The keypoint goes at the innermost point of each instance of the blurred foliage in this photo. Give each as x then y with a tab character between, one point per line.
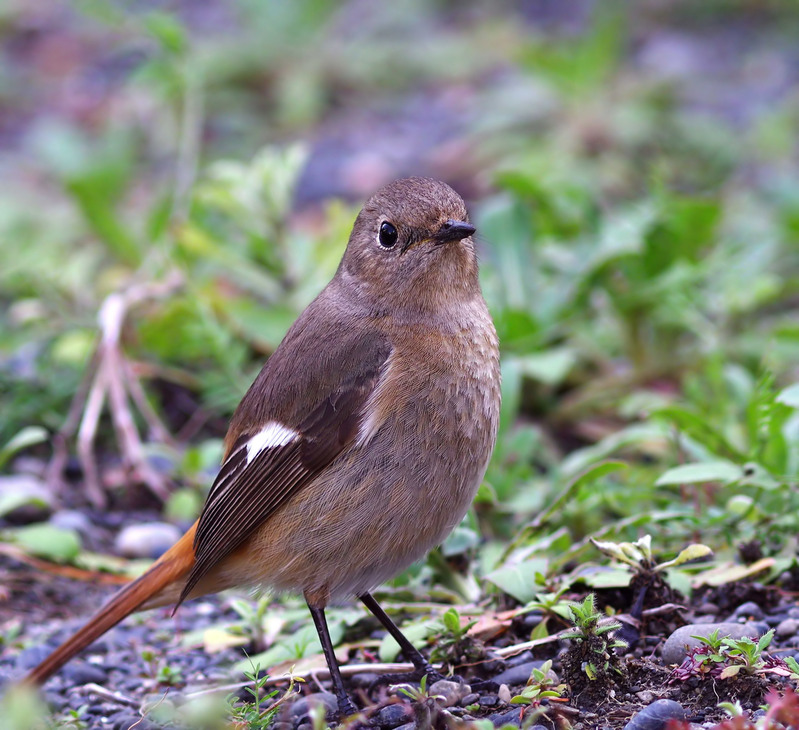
639	256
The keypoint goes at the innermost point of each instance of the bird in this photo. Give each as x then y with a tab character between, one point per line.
362	442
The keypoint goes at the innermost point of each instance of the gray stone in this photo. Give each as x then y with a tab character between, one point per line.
750	610
656	716
78	673
514	676
451	692
676	646
392	716
32	656
27	496
150	540
508	717
71	519
504	694
787	628
302	707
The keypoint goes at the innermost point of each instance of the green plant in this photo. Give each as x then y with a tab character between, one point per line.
593	645
453	645
252	715
541	685
724	657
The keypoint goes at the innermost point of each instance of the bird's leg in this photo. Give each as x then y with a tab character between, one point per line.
409	651
346	708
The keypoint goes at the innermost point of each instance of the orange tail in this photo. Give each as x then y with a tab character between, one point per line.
173	565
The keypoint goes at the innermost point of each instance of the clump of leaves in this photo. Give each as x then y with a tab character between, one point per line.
542	685
453	645
647	573
254	716
591	655
725	657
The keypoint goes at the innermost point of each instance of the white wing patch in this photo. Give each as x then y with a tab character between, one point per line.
271	435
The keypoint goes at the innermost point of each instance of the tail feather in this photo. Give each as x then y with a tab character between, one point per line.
170	567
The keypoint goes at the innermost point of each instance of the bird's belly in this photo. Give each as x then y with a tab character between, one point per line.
364	521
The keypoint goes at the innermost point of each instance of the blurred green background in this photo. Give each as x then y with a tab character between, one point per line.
631	168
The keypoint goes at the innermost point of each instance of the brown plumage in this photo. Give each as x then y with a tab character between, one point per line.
363	440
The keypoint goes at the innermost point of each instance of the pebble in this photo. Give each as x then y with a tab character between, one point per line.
787	628
750	609
150	540
36	502
504	694
302	707
72	519
78	673
514	676
32	656
656	716
392	716
364	680
452	692
469	699
508	717
674	650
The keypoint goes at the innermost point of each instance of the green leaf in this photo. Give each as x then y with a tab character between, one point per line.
692	552
789	396
708	471
9	501
28	436
452	621
549	367
47	541
519	580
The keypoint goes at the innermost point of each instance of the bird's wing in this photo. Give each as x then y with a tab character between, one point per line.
264	468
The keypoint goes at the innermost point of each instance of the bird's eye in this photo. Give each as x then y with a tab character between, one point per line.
388	235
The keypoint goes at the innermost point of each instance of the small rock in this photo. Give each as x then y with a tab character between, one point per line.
32	656
469	699
71	519
450	691
521	658
150	540
30	494
78	673
708	608
646	696
656	716
793	612
675	648
508	717
750	609
363	680
787	628
302	707
391	716
514	676
504	694
489	701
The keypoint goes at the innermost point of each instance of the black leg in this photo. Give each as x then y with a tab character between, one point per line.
345	704
409	651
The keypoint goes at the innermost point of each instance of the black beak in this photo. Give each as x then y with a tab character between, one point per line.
454	231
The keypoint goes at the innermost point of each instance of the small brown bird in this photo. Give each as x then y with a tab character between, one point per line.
362	442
